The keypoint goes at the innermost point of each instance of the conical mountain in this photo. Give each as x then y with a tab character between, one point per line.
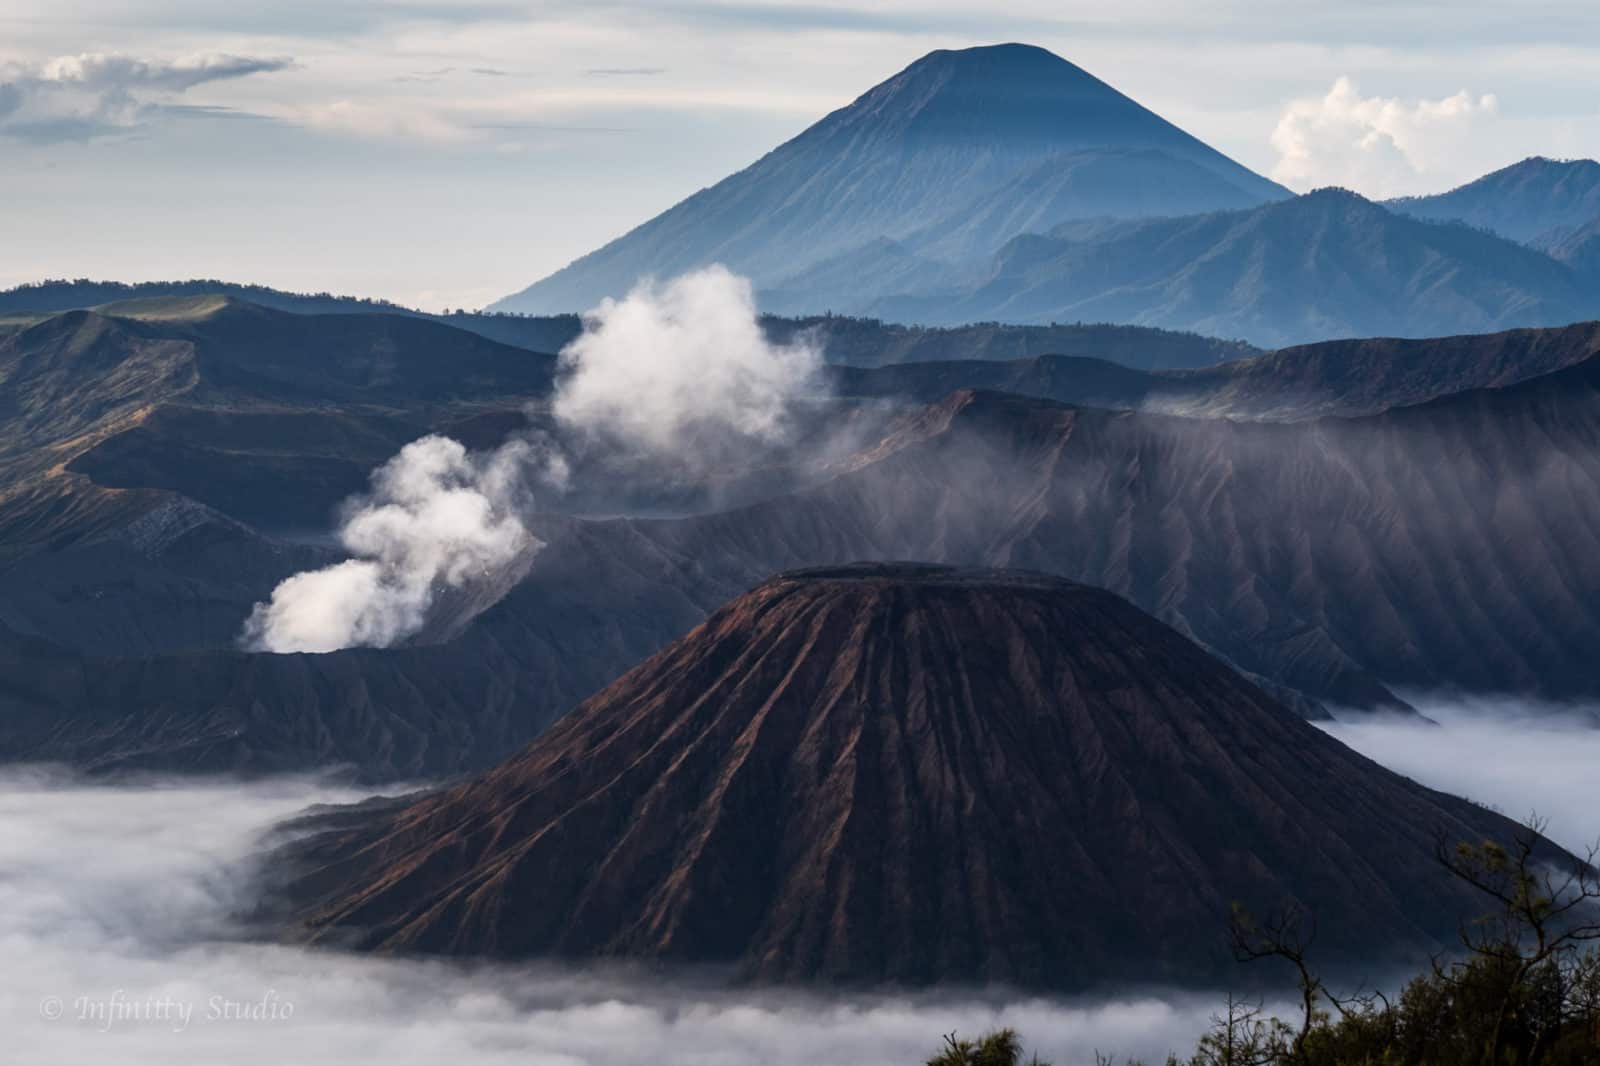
923	151
906	773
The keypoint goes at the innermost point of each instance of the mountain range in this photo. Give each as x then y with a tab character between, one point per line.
1326	265
905	774
1005	184
849	340
1396	515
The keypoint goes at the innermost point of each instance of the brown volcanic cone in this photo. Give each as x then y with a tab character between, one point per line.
907	773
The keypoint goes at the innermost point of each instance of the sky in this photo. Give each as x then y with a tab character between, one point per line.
444	153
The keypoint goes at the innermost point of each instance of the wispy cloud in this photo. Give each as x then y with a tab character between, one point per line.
426	75
382	121
101	72
212	111
547	127
624	72
94	94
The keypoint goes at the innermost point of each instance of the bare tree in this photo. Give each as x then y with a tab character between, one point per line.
1547	911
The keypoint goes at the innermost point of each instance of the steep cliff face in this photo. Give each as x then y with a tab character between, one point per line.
912	774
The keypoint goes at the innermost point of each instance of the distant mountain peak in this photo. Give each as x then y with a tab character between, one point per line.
1014	94
954	135
987	64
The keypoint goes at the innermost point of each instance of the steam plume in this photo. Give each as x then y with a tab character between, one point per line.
677	373
674	364
437	516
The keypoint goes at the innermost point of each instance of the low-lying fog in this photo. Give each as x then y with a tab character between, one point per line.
114	905
1519	758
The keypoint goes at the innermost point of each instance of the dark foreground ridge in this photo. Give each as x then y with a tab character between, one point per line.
912	774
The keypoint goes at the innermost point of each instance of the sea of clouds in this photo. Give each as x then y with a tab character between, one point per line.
1520	757
118	904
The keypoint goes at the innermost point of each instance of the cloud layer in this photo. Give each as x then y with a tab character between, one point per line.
132	889
116	899
1378	146
1519	757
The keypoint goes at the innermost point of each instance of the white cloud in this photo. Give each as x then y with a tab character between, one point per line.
102	72
79	97
1375	145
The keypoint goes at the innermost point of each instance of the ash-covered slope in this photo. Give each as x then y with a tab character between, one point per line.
910	774
972	146
1454	545
218	383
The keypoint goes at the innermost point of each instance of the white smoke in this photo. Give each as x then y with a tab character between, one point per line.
676	365
437	517
677	374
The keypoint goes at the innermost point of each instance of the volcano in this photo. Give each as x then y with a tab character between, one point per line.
911	774
959	152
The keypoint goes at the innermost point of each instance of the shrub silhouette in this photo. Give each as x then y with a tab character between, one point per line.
1524	992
